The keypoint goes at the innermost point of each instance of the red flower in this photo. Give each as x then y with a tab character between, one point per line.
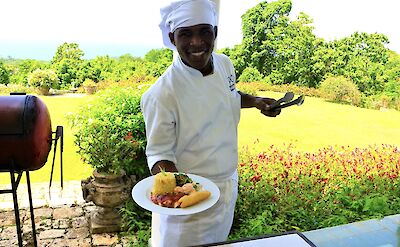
256	178
129	136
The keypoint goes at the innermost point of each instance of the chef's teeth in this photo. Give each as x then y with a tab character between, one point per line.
198	53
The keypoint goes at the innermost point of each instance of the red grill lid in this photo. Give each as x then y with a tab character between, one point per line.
25	132
12	114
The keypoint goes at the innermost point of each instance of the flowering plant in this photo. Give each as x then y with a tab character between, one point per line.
110	133
282	190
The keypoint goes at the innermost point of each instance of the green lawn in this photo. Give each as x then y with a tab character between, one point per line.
318	123
313	125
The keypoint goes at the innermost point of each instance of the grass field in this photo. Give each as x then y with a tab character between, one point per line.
313	125
318	123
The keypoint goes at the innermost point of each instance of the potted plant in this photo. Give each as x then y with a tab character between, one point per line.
89	85
109	133
43	80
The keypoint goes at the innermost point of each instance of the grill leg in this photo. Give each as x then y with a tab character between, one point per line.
28	182
16	210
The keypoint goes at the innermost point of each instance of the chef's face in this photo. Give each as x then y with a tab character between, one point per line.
195	45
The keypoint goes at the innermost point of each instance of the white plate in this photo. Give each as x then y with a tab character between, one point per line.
141	195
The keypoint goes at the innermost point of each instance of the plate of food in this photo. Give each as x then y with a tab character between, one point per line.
175	193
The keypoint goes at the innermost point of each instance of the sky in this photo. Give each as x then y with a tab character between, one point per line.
34	29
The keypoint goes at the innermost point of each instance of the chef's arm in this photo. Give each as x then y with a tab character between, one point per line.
165	165
261	103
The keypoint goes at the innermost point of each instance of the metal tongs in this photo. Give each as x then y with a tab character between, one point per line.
285	101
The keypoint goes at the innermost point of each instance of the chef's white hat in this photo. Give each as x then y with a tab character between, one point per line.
185	13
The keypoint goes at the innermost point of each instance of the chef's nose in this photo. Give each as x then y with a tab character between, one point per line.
196	40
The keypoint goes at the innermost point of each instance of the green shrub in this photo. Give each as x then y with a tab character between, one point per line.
134	81
380	101
43	78
88	83
10	88
250	74
137	223
340	89
307	91
110	133
247	88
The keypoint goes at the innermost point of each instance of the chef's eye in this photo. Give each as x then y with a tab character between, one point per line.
185	34
206	32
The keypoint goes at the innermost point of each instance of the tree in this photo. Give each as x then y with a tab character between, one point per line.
67	62
277	47
361	57
392	68
237	57
105	65
21	69
157	61
4	74
127	67
258	25
67	51
159	55
88	71
294	45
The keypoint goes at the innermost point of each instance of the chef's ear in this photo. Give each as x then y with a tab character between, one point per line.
215	31
171	38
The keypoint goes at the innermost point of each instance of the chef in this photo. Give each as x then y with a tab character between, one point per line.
191	115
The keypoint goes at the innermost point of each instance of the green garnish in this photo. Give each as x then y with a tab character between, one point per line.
162	170
182	179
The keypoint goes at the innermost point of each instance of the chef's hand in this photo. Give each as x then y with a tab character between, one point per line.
263	104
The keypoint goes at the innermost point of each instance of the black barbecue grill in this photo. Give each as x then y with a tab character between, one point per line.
25	143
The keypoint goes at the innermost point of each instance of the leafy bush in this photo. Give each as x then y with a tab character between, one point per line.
248	88
88	83
380	101
110	132
43	78
133	81
340	89
282	190
250	74
254	87
10	88
136	222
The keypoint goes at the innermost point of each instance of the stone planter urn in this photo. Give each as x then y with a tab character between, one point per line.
108	192
44	90
90	89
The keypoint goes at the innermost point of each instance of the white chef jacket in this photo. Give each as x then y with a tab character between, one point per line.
192	121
